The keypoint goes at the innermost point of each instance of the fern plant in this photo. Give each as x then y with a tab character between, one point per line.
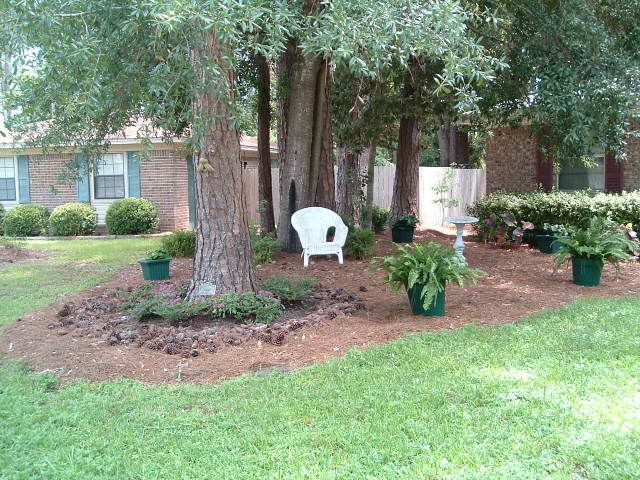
601	241
430	264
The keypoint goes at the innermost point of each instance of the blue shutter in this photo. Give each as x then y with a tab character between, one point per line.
82	179
191	191
133	173
23	179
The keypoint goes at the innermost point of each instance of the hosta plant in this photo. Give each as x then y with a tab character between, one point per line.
601	241
430	264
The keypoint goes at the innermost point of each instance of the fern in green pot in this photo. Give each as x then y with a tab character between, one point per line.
589	248
424	269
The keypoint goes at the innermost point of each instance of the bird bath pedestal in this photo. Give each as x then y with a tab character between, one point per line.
460	222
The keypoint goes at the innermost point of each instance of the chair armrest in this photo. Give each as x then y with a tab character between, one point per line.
341	235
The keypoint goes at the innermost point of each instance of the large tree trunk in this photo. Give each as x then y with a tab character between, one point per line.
368	210
405	184
444	143
223	251
265	196
351	166
454	146
302	128
326	189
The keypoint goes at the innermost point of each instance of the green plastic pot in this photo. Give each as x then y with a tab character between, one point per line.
155	269
402	235
586	271
436	309
546	245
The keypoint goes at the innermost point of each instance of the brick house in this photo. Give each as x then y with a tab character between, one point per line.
514	164
165	178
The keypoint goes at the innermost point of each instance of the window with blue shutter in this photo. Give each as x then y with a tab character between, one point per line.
191	191
133	174
82	179
23	179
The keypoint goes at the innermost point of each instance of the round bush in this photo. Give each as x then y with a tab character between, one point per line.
26	221
180	243
131	216
73	219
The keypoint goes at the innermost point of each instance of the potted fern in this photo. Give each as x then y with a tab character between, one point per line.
155	266
589	248
424	269
403	228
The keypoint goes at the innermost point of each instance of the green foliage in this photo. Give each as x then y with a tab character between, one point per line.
430	264
158	254
162	300
359	243
26	220
601	241
247	307
180	244
286	288
443	190
2	214
379	218
405	222
132	216
561	208
73	219
265	248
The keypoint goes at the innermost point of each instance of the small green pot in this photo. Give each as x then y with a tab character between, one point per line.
546	245
402	235
586	271
155	269
436	309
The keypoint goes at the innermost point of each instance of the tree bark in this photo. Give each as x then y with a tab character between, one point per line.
265	196
351	166
444	143
405	184
301	132
223	250
368	210
326	188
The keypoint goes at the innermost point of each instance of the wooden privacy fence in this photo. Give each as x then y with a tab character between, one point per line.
466	185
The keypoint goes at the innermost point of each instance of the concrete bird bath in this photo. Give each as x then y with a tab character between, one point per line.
460	222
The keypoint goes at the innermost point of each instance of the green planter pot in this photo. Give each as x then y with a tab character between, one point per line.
402	235
436	309
546	245
586	271
155	269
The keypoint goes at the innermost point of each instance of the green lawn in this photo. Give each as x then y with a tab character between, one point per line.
553	397
70	266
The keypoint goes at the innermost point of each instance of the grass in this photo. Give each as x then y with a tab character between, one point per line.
68	266
553	397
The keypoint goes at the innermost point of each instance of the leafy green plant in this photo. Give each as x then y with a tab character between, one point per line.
379	218
265	248
601	241
430	264
405	222
158	254
443	191
359	243
132	216
73	219
285	288
162	300
180	244
26	220
559	230
248	307
2	214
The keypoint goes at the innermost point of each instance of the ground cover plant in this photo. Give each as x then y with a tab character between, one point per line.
554	396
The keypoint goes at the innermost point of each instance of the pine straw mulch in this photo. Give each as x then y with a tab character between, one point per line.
519	283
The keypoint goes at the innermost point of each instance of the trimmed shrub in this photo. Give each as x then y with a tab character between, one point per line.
180	244
73	219
379	218
560	208
2	220
26	220
132	216
359	244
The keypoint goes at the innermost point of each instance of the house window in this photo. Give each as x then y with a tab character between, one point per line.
582	177
8	179
108	182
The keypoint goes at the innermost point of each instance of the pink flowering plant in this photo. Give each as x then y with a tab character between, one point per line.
504	229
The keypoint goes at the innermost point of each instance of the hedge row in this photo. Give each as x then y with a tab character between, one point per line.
126	216
563	208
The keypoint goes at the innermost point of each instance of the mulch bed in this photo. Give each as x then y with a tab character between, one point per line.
518	283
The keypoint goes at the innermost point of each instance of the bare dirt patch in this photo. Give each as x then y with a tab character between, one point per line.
10	254
519	283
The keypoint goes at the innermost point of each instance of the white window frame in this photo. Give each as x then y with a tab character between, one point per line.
107	201
12	203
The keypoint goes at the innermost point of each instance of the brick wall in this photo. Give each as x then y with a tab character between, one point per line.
163	180
511	161
50	183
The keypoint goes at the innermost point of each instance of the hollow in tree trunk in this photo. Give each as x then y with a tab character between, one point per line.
265	196
223	251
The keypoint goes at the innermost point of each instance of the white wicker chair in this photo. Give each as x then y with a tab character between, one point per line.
312	224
